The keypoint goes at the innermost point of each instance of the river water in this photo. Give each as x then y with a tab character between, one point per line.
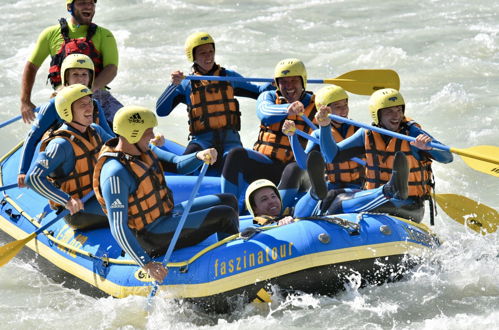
447	56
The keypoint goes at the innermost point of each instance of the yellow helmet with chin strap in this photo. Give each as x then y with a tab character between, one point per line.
131	122
195	40
253	187
384	98
290	67
77	61
66	97
329	94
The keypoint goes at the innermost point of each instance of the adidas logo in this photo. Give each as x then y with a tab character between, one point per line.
135	118
44	163
117	204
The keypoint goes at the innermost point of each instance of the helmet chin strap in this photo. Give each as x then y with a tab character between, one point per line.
78	123
139	149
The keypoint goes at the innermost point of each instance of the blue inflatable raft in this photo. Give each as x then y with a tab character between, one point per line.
314	255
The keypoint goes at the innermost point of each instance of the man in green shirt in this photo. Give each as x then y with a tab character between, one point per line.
81	36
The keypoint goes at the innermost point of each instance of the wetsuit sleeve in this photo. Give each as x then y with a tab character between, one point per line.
116	185
102	119
47	116
172	96
57	158
182	164
299	153
108	47
268	111
441	156
333	152
246	89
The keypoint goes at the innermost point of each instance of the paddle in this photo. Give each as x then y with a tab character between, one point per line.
10	250
477	216
475	157
12	120
10	186
362	82
177	232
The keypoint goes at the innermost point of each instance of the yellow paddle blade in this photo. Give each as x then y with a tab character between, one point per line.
481	158
477	216
365	82
10	250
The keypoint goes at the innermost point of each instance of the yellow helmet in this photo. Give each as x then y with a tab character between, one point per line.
329	94
66	97
194	40
290	67
77	61
131	122
384	98
253	187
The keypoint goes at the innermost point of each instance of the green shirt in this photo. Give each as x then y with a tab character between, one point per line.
50	40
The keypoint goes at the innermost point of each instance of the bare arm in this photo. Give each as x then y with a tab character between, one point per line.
27	82
105	76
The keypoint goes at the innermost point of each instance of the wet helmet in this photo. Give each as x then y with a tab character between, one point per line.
194	40
253	187
66	97
329	94
384	98
131	122
290	67
77	61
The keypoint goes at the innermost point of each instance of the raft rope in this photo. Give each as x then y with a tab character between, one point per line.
245	235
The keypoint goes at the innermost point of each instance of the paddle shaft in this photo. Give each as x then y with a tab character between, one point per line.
62	214
12	120
410	139
362	82
246	79
10	250
179	228
10	186
316	140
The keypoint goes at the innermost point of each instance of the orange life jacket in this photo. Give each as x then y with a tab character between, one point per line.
78	182
273	143
347	171
213	105
152	199
379	157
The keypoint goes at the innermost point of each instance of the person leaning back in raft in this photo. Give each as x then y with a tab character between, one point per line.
64	168
129	183
272	157
213	110
387	108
